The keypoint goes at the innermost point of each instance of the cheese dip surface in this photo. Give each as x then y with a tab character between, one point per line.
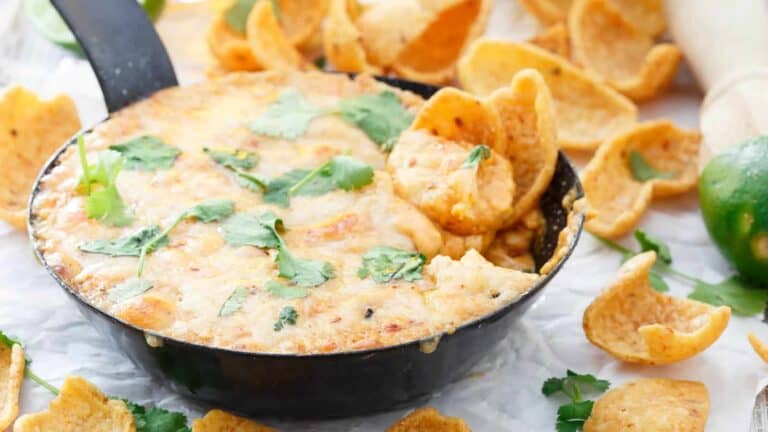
201	286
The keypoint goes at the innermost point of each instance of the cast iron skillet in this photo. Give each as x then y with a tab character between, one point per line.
131	64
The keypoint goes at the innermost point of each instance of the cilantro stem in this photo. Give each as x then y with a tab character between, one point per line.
151	244
308	178
84	163
659	264
243	174
41	382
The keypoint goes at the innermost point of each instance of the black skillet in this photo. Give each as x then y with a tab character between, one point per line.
131	64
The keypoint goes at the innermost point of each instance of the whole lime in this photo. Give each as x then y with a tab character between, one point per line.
733	194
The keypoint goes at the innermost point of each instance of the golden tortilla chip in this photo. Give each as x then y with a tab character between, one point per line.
342	40
608	45
387	26
458	116
269	44
548	12
527	118
429	420
79	407
760	348
431	57
636	324
429	172
617	199
555	40
230	48
12	365
220	421
586	111
646	15
31	130
301	19
651	405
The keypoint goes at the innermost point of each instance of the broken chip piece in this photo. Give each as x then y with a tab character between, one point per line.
342	40
32	129
12	365
637	324
220	421
651	160
586	111
429	420
79	407
608	45
651	404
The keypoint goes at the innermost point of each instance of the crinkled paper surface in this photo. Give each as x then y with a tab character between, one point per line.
503	392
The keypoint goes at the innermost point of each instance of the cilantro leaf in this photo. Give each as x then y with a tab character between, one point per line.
147	153
743	298
233	158
381	116
478	154
243	229
288	316
129	289
234	302
657	282
104	204
552	386
277	189
288	117
9	341
650	243
302	272
237	14
156	419
571	417
588	379
125	246
286	292
385	264
211	210
642	171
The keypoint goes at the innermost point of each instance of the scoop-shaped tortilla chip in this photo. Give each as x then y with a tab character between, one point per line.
230	48
220	421
431	57
554	39
646	15
636	324
342	40
431	173
586	111
618	191
269	44
760	348
31	130
301	19
608	45
548	12
527	121
79	407
12	365
429	420
459	116
651	405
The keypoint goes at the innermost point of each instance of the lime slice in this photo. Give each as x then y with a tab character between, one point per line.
48	21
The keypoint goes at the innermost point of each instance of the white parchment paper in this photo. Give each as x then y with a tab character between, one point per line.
502	394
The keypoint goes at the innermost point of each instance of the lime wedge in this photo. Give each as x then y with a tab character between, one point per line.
48	21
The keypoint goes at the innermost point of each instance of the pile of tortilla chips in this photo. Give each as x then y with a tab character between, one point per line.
30	130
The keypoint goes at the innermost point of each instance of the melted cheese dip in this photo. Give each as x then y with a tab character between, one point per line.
196	272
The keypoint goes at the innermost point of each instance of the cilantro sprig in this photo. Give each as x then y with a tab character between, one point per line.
130	245
287	316
571	416
103	203
381	116
478	154
642	171
742	297
385	264
147	153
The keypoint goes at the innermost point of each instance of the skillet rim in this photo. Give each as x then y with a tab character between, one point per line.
421	89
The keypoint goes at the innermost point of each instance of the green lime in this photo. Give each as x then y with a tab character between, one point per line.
48	21
733	193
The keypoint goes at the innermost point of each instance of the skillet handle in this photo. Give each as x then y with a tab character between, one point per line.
121	44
